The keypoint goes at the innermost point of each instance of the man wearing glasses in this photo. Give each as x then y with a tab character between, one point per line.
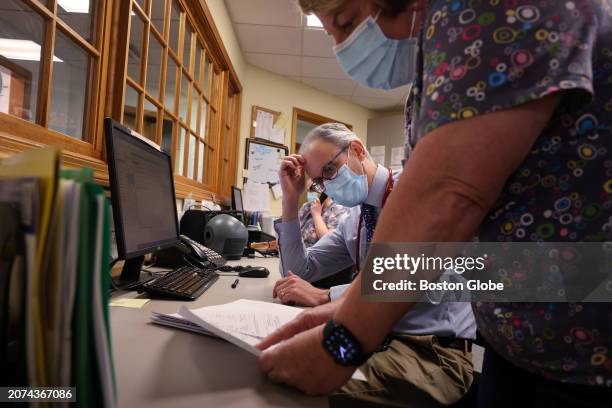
435	336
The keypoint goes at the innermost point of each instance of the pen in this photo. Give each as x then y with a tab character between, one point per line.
235	284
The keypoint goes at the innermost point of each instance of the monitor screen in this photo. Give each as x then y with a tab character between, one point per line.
142	188
237	199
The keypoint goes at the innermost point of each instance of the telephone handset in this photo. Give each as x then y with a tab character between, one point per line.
200	256
190	252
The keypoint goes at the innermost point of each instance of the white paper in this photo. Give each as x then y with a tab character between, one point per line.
277	191
378	159
397	155
256	196
377	150
5	89
277	135
264	124
243	323
264	162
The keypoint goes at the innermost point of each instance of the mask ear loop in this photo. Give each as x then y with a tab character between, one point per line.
414	14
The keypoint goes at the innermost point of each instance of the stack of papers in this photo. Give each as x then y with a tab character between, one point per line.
243	322
58	327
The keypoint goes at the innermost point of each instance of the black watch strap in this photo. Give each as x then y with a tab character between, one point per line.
343	346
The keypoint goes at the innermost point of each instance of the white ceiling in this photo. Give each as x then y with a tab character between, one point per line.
273	36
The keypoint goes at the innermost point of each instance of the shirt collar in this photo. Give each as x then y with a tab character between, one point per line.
378	188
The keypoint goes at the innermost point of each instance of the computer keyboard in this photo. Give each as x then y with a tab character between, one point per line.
186	282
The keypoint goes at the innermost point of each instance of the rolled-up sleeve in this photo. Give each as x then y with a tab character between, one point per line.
336	291
328	256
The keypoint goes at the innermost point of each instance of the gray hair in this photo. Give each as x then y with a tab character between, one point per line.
335	133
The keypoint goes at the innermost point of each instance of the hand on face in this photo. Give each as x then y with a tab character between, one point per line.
294	290
292	176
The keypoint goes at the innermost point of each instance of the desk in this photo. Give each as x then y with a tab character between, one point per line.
157	366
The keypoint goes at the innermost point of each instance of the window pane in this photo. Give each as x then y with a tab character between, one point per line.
154	66
135	51
187	48
166	144
170	84
69	93
180	153
174	26
193	123
191	158
206	75
183	98
157	14
201	162
130	107
80	15
141	3
149	123
19	59
196	70
203	119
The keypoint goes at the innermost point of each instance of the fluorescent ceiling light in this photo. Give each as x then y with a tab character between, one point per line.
313	21
74	6
24	50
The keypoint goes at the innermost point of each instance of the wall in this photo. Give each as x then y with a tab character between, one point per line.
278	93
272	91
386	131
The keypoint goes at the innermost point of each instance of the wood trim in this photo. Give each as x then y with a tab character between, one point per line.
309	117
202	14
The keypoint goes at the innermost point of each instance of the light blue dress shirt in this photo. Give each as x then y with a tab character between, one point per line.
337	251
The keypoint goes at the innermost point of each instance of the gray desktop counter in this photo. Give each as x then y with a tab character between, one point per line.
157	366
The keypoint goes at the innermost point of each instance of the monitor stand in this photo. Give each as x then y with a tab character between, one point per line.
130	275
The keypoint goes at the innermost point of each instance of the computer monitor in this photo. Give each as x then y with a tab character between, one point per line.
142	195
237	199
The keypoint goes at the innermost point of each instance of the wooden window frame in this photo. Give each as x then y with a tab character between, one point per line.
76	153
108	50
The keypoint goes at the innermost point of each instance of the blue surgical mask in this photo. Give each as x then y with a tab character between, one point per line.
348	188
312	196
374	60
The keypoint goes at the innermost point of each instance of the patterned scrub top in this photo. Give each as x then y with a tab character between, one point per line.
481	56
331	217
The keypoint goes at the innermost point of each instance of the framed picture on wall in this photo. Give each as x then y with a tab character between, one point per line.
15	83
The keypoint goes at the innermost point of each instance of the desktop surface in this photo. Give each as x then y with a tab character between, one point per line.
157	366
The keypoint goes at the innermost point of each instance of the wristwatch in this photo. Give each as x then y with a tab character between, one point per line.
342	345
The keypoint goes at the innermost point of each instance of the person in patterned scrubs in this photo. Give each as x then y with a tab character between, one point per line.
509	130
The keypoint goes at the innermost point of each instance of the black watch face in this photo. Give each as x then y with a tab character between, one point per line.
341	347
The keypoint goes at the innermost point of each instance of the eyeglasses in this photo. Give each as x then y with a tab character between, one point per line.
329	171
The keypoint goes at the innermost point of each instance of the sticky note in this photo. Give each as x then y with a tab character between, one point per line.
132	303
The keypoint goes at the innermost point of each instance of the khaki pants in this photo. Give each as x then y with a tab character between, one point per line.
415	371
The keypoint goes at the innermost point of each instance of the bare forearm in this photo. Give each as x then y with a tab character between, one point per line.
320	227
451	181
418	225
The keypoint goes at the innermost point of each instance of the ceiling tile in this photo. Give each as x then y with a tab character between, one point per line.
376	103
268	39
318	44
280	64
265	12
340	87
316	67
